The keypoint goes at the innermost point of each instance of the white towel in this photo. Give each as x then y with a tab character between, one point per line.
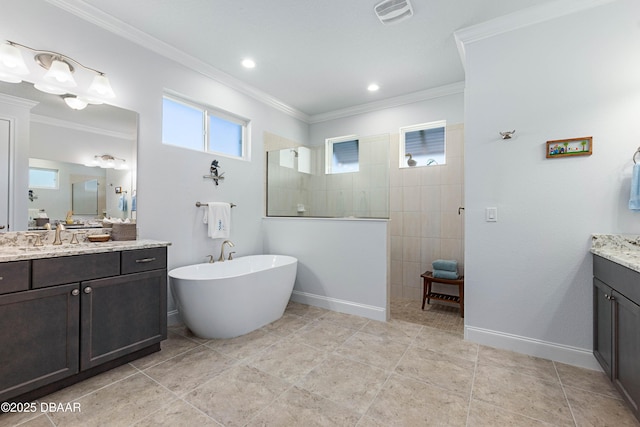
217	216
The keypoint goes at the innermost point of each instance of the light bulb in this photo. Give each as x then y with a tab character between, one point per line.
60	74
9	78
249	63
101	87
48	88
75	102
11	60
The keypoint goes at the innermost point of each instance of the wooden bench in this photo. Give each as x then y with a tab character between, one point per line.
427	295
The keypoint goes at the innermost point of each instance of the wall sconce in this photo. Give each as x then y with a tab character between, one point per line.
58	79
107	161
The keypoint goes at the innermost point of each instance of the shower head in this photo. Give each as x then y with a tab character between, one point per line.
295	153
410	161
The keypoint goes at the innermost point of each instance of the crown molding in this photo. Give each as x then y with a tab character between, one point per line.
103	20
126	31
46	120
521	19
15	101
437	92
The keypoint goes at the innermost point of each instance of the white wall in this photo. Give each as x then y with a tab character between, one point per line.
389	120
528	276
334	271
169	179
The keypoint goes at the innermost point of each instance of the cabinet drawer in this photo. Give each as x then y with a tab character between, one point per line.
14	276
76	268
144	260
620	278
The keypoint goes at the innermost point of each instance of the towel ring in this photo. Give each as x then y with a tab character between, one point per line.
634	155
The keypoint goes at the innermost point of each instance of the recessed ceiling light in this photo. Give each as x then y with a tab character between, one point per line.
248	63
373	87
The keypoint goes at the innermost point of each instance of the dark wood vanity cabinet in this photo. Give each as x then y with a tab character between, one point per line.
61	331
39	338
121	315
616	331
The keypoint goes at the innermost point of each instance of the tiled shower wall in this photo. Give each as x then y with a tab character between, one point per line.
425	224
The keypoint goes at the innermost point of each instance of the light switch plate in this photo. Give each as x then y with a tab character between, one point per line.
492	214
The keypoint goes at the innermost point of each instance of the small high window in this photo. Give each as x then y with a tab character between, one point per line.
342	155
423	144
196	127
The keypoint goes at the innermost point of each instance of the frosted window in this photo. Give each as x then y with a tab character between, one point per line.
425	143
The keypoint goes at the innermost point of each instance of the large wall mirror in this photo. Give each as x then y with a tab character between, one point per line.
80	161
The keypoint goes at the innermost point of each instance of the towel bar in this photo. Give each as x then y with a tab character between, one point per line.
198	204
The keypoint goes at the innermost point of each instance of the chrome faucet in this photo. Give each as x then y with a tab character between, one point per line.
57	240
226	242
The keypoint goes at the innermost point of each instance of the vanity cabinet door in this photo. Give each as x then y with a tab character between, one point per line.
626	368
603	325
123	314
38	338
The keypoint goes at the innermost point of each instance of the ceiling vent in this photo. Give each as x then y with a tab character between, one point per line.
392	11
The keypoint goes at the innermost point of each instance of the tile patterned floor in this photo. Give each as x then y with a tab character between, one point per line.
319	368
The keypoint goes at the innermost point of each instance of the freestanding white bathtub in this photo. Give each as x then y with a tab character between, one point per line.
231	298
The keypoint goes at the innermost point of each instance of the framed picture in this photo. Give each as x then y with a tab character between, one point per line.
570	147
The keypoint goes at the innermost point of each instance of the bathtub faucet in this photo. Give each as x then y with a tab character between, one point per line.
226	242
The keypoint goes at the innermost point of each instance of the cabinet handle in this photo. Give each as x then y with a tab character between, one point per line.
75	292
1	278
87	290
611	298
145	260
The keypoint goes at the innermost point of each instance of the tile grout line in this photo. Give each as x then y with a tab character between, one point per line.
564	393
473	383
391	372
177	397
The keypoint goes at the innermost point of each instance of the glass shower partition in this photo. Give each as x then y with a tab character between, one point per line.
300	185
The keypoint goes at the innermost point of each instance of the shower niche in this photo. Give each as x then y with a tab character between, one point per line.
302	183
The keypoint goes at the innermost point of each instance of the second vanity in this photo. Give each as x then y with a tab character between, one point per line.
72	311
616	310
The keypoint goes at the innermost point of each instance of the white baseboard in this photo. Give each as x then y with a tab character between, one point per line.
560	353
173	318
342	306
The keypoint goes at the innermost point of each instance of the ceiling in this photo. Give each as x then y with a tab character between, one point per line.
316	56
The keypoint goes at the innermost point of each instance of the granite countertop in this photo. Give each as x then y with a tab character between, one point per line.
16	249
623	249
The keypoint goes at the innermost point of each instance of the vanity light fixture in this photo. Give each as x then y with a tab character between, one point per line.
107	161
58	79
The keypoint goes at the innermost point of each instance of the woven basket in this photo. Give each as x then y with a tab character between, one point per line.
123	232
